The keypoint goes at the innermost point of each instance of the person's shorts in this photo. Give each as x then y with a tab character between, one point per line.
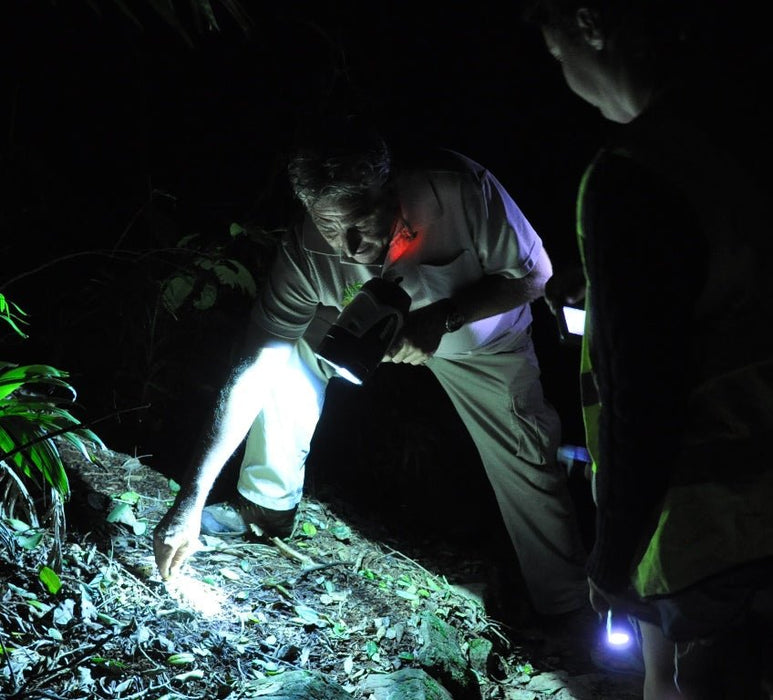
738	596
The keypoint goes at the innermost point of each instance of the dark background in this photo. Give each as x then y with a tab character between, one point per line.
119	137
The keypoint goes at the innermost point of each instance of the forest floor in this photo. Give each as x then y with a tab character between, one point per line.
329	599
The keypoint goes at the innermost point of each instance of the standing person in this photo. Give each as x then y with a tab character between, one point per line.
674	234
472	264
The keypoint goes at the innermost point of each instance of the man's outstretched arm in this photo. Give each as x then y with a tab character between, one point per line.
176	535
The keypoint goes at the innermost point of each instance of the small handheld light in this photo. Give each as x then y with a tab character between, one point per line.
365	329
618	631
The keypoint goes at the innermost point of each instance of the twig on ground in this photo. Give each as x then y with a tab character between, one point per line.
291	553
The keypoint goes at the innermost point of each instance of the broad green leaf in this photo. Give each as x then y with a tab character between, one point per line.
175	291
308	529
50	580
181	659
122	513
235	275
18	525
11	313
131	497
29	542
207	298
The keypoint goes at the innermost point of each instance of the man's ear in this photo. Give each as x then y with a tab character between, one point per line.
589	23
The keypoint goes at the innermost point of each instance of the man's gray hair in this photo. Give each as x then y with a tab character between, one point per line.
336	159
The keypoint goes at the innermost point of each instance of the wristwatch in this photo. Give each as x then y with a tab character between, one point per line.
454	318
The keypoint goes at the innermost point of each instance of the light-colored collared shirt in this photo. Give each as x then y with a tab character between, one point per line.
458	223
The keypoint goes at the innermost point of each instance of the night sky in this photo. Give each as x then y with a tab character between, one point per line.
99	113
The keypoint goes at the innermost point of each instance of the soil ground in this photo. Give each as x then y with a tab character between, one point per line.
342	596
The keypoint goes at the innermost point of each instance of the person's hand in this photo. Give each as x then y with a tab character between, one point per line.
567	286
420	336
176	537
598	600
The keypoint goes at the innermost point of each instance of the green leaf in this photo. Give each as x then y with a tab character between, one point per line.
11	313
235	275
18	525
175	291
341	532
131	497
207	298
308	529
29	542
350	292
50	580
109	620
123	513
181	659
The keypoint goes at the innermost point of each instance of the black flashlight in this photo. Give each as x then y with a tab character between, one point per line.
365	329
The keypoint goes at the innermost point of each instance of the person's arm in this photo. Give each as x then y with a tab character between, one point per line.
176	536
490	295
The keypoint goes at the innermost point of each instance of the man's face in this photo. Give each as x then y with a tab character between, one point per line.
358	228
590	74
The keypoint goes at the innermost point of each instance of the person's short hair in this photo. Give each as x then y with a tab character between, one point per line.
654	32
337	158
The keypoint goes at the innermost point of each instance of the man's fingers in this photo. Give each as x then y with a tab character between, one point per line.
164	554
170	559
179	558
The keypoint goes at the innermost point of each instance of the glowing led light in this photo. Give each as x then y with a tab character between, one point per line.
617	634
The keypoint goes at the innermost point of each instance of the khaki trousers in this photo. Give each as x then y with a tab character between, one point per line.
516	431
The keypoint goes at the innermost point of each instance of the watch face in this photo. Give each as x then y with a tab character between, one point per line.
454	321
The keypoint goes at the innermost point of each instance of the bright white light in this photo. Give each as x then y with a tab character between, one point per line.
342	371
617	635
346	374
575	319
189	592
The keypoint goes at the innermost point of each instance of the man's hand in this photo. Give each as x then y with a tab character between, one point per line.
176	537
421	335
565	287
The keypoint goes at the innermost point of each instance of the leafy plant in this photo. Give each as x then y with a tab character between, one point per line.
34	411
208	271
